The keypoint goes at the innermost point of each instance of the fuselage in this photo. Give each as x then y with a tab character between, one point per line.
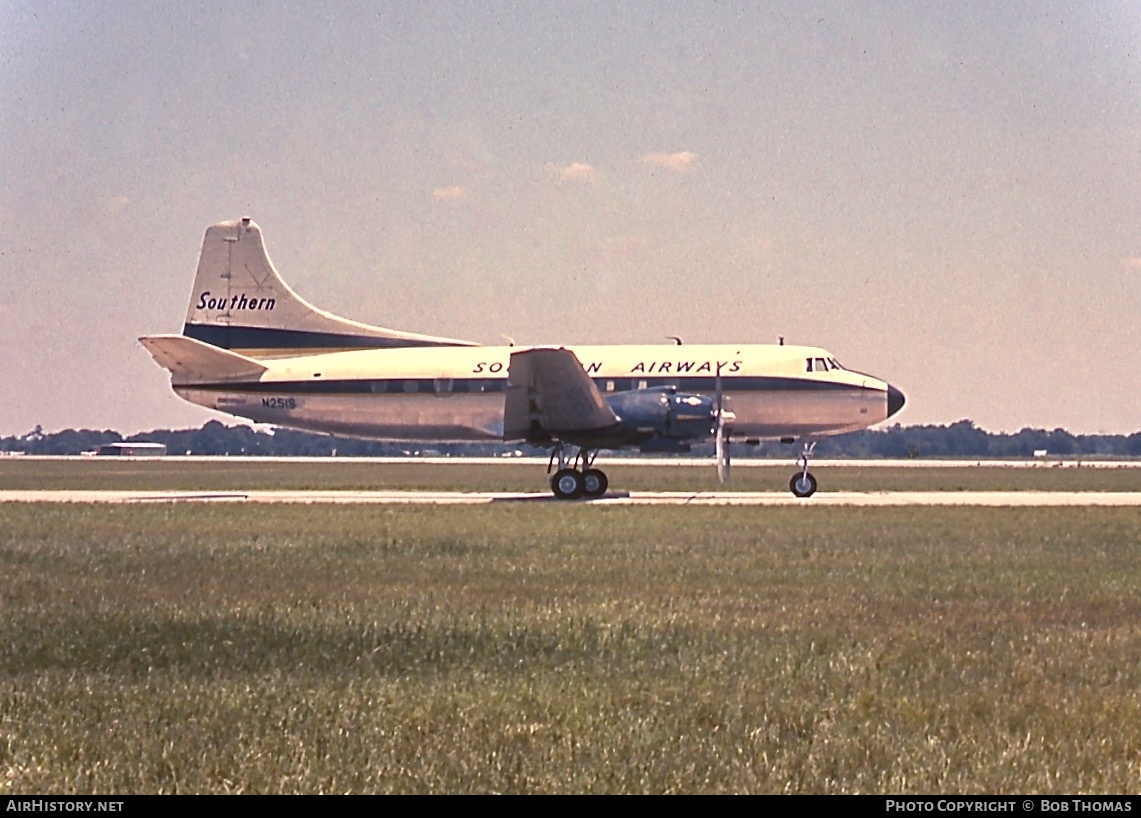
456	393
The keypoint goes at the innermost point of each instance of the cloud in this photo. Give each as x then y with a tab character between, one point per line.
680	162
574	172
449	194
112	205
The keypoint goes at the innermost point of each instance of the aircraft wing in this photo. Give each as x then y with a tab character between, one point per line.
549	395
189	360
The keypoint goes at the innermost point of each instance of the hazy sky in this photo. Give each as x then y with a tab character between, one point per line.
946	195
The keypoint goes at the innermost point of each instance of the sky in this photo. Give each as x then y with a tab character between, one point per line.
945	195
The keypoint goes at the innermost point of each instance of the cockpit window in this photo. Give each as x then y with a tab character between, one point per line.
821	364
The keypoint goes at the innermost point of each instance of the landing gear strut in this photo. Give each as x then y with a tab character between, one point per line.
803	484
570	482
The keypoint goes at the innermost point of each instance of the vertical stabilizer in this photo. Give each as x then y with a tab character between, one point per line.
239	302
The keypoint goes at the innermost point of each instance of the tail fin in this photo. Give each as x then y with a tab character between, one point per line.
239	302
191	361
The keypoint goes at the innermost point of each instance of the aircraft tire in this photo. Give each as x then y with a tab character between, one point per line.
803	485
567	484
594	483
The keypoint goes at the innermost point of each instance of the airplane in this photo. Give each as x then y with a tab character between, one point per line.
253	348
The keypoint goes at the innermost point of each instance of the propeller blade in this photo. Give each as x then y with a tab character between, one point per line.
723	461
721	443
717	395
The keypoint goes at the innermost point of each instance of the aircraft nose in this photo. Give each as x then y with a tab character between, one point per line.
895	400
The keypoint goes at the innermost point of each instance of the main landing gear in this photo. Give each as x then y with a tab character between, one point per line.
577	480
803	484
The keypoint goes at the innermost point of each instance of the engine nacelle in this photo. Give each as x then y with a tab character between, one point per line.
663	418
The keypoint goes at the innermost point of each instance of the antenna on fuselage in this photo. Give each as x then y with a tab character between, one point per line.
675	339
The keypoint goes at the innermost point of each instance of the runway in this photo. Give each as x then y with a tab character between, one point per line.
640	498
1069	462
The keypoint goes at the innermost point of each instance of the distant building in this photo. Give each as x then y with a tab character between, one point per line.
132	450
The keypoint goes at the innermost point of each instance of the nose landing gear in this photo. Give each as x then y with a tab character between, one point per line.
803	484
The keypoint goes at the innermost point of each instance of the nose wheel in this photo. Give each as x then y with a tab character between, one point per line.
803	484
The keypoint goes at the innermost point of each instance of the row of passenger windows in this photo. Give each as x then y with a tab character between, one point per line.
444	386
438	386
821	364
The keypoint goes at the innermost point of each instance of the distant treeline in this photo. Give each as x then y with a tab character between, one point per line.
961	439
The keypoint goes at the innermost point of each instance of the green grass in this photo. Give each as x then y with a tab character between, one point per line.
225	648
240	474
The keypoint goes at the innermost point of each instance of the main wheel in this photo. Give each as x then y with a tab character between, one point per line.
803	484
567	484
594	483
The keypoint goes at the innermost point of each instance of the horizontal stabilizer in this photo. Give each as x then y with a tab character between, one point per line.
191	361
549	395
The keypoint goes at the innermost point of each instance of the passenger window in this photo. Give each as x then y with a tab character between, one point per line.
610	386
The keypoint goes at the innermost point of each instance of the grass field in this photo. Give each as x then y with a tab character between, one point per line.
222	648
241	474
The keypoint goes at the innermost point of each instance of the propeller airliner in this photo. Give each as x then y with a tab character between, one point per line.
252	347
